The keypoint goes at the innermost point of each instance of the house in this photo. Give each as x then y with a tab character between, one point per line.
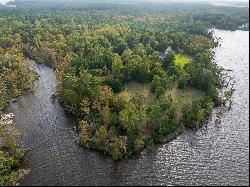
162	55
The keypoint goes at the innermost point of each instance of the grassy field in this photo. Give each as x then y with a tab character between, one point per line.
184	97
182	60
180	97
134	87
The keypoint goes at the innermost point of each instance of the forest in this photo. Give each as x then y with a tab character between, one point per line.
134	75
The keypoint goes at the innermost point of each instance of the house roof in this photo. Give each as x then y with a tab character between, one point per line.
163	54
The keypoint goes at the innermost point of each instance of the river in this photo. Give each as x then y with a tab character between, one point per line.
217	154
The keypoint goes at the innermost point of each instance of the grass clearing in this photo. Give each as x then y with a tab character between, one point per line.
181	60
183	97
134	87
180	97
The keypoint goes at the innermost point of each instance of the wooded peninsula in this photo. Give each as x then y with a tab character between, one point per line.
133	74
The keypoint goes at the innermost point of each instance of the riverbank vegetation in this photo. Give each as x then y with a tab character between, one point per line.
134	75
11	154
15	76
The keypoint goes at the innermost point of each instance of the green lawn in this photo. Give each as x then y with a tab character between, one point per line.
181	60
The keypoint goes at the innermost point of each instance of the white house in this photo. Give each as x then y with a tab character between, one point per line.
162	55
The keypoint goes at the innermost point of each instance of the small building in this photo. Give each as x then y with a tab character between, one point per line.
163	54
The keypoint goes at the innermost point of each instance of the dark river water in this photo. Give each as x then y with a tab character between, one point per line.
217	154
